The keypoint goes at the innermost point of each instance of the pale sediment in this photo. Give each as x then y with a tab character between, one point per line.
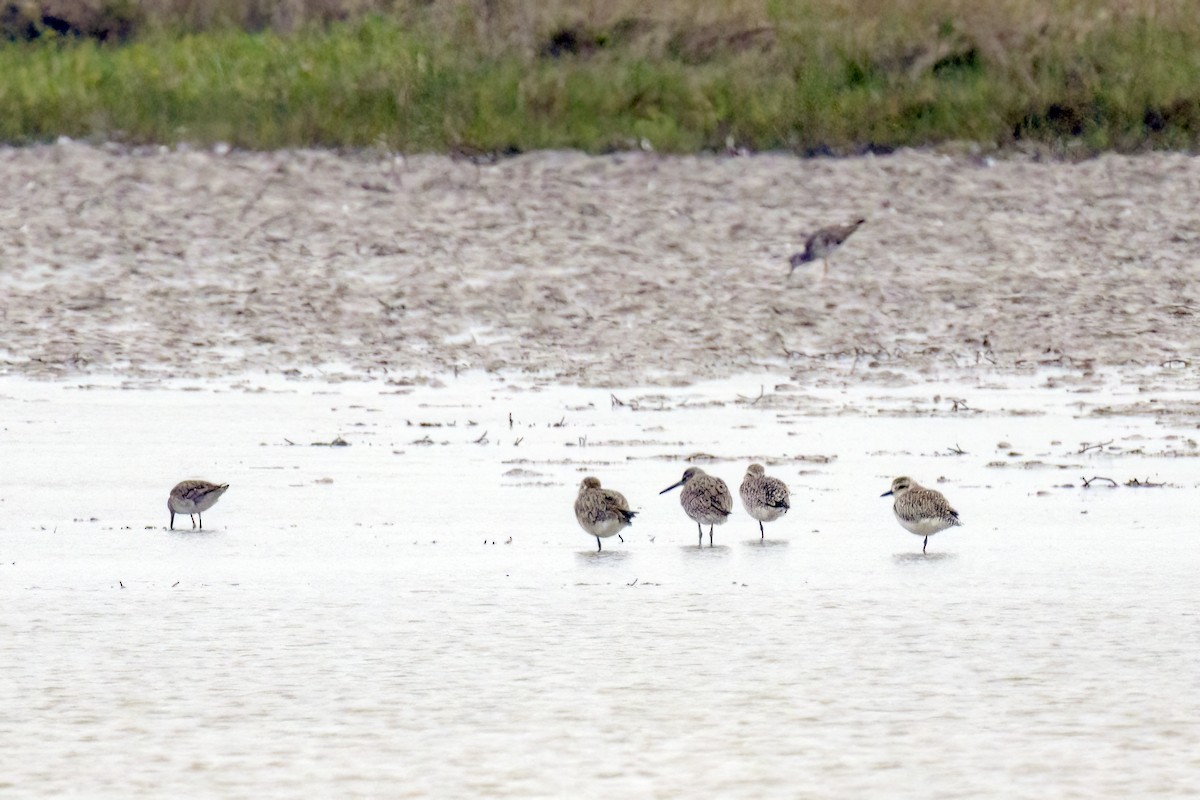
621	269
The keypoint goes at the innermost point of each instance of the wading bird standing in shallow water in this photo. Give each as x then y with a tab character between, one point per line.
193	497
704	498
822	245
764	498
921	511
602	512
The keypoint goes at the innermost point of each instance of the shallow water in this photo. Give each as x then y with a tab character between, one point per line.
356	621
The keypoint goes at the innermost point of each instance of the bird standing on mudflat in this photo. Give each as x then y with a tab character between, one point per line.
602	512
763	497
705	498
921	511
822	245
193	497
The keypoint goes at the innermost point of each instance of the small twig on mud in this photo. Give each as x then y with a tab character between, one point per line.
959	404
482	439
1146	484
337	442
289	441
1087	482
755	400
956	450
1083	448
632	584
510	422
615	401
583	441
518	441
786	352
560	424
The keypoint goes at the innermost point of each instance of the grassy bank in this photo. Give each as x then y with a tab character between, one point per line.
682	76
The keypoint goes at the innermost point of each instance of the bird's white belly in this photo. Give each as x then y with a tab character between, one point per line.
764	513
181	506
606	528
924	526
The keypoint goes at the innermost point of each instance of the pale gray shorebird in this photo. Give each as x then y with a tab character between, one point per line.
193	497
764	498
921	511
822	245
705	498
602	512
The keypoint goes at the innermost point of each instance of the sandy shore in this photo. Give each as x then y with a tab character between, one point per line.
597	270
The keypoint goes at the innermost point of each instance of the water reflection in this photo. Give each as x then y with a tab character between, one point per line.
766	544
602	556
922	558
716	550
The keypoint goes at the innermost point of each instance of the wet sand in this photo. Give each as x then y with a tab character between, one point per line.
615	270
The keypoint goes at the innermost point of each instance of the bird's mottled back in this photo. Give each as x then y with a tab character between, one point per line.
190	497
705	498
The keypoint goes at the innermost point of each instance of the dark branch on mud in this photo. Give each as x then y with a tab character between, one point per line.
1087	482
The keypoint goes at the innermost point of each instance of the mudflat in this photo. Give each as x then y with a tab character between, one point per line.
600	270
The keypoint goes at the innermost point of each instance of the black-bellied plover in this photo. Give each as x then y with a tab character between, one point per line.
763	497
921	511
602	512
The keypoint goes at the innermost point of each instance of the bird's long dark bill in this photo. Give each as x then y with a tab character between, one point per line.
672	486
886	494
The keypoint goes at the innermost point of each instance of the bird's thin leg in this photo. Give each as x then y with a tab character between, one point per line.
700	530
710	527
598	548
926	544
761	533
201	518
192	517
622	538
172	520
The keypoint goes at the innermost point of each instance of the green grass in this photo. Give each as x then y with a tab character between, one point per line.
828	78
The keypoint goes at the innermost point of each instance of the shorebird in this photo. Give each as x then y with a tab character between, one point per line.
704	498
602	512
822	245
764	498
193	497
921	511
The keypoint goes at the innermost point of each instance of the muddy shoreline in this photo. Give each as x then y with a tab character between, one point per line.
611	270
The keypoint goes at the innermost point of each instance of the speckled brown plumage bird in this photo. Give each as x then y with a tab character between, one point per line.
704	498
602	512
192	497
764	498
921	511
822	245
